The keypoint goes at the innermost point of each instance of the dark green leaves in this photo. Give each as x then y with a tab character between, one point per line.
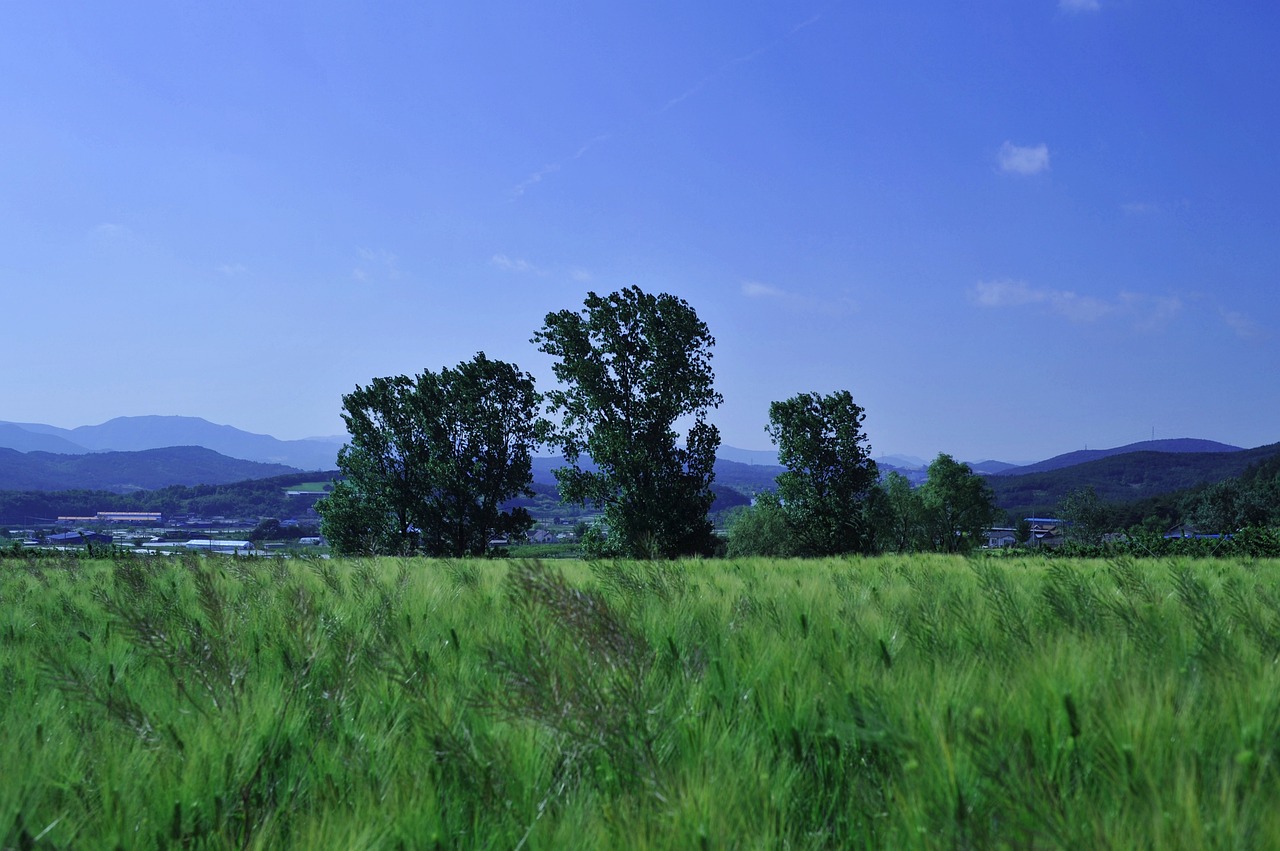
432	458
631	364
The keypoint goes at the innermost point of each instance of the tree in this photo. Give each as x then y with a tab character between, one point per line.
761	530
431	460
829	475
901	521
1085	515
631	364
958	503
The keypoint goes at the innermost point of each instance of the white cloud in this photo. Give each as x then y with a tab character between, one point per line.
1244	327
552	168
232	269
518	265
1016	159
838	304
1149	311
374	262
580	275
755	289
1075	6
108	235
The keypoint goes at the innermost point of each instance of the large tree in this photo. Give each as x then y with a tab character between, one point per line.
830	474
630	365
958	504
433	458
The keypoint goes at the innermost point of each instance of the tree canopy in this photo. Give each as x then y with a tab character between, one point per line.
958	505
431	460
631	365
829	475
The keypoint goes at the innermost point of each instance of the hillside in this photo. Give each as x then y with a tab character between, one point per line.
1123	478
122	472
247	499
1083	456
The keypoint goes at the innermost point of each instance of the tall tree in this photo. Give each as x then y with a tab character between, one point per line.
829	475
432	458
959	505
1086	516
631	364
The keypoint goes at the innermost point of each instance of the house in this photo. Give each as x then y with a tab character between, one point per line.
1000	536
1047	531
541	536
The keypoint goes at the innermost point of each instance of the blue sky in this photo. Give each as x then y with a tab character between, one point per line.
1010	228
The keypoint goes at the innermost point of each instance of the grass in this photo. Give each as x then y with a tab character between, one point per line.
922	702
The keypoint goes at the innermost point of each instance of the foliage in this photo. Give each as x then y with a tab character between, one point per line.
631	364
761	530
829	472
896	702
900	520
432	460
958	505
1085	515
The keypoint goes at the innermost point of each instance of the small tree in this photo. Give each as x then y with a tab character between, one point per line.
959	505
631	364
829	475
1085	515
901	521
761	530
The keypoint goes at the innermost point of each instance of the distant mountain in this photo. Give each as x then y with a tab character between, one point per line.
132	434
123	472
1123	478
24	438
734	484
1082	456
902	462
767	457
991	468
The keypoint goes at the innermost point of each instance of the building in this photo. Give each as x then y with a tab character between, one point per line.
77	539
1000	536
217	545
145	518
1047	532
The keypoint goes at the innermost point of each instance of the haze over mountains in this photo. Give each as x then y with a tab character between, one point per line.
132	434
148	452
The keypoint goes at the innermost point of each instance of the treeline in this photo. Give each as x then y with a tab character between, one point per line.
440	463
436	459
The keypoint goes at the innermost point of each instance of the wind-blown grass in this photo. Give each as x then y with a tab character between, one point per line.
922	702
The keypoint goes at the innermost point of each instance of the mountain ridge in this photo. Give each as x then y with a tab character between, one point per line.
133	434
1172	446
124	472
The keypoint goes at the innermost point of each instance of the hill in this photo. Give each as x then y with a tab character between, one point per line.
121	472
1123	478
247	499
132	434
1083	456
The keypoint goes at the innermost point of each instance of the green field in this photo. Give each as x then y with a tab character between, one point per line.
923	702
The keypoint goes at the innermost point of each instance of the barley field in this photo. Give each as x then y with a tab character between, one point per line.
898	702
